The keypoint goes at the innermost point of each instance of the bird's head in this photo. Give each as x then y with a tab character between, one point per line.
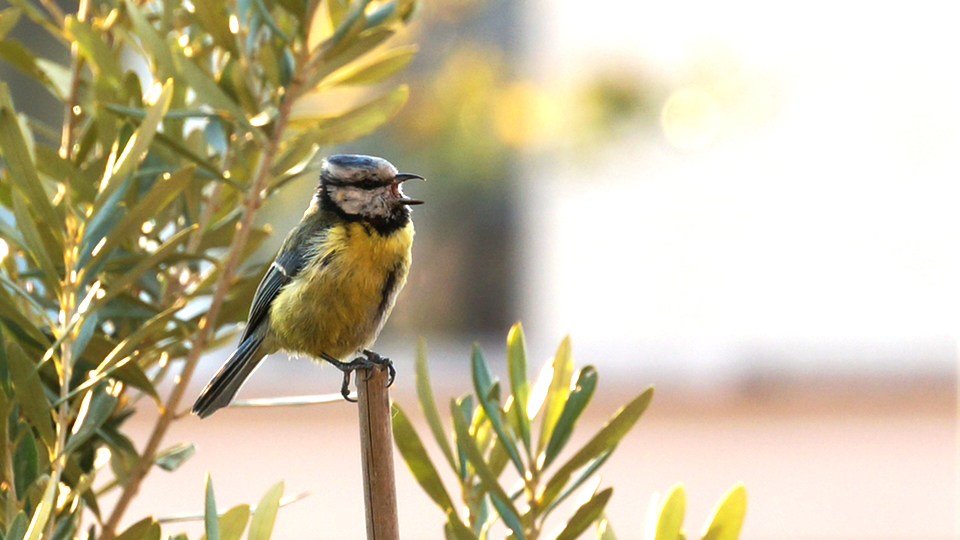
365	187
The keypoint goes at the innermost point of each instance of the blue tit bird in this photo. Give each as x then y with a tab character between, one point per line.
334	281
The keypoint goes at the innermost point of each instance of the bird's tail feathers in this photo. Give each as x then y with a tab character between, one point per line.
220	391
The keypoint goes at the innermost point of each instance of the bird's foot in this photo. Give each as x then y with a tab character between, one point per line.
367	360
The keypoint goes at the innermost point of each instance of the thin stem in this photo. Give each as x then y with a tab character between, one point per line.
252	202
69	286
70	115
54	10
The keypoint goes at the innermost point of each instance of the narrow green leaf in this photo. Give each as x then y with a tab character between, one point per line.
234	521
357	122
29	390
65	525
17	529
480	373
26	466
295	7
465	408
40	17
95	409
17	158
604	441
269	62
335	57
482	385
171	458
38	250
288	66
10	235
344	34
8	19
120	446
604	529
391	13
261	524
18	56
457	529
165	189
336	11
586	514
577	401
138	145
14	316
381	67
89	324
54	168
466	443
233	80
211	525
139	530
670	515
560	369
57	74
727	518
213	17
211	93
107	212
105	61
42	513
153	533
498	458
296	151
150	39
415	455
519	385
427	403
5	464
582	476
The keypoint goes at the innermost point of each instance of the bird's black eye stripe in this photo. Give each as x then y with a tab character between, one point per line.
368	184
362	184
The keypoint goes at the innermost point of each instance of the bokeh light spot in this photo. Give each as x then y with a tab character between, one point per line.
690	118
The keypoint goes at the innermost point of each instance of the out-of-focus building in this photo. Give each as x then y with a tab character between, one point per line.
793	212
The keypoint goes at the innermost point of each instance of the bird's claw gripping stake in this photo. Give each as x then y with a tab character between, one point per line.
368	360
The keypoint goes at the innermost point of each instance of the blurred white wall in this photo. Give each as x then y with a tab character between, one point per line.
803	209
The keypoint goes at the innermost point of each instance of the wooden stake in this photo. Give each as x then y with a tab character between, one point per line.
376	447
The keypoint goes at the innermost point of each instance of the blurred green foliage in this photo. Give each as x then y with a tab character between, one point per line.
527	427
126	231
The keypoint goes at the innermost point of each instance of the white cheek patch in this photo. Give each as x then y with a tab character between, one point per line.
364	202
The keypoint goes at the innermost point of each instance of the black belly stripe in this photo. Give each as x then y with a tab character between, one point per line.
389	288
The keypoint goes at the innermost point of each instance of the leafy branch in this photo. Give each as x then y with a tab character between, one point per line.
492	433
528	430
126	243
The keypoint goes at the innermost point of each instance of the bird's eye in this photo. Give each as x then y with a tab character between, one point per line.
368	184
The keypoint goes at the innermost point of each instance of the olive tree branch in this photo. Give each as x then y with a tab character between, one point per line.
252	202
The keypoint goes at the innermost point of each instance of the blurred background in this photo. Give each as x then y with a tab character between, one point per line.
750	205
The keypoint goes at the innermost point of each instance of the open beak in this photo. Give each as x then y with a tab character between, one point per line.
401	178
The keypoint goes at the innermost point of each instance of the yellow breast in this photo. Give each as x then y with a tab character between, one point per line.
338	303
